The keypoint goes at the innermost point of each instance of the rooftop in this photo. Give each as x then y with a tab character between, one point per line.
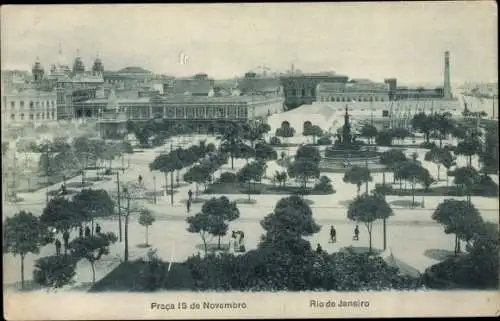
182	99
134	70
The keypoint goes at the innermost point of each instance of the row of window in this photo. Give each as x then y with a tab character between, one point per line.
32	104
348	99
301	93
38	116
188	112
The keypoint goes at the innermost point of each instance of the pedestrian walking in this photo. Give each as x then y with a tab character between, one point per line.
356	233
188	206
319	249
80	231
66	241
97	229
140	179
241	242
333	234
190	195
58	247
87	232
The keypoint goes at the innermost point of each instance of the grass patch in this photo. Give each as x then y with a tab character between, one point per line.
214	247
79	184
442	191
260	189
126	277
361	249
97	178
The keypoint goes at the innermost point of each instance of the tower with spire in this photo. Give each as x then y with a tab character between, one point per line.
78	66
37	71
98	67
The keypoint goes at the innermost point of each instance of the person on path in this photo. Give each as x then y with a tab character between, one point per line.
356	233
188	206
319	249
190	195
66	241
140	179
58	247
240	241
80	231
97	229
333	234
87	232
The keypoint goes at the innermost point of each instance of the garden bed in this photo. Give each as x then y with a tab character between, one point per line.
259	188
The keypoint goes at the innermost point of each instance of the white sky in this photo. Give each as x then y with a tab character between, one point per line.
360	40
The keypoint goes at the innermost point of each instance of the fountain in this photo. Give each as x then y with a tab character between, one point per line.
347	151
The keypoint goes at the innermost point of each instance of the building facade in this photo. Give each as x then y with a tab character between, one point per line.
29	106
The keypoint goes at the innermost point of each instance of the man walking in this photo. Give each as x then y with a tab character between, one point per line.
333	235
319	249
188	206
87	232
58	247
97	229
356	233
190	195
66	241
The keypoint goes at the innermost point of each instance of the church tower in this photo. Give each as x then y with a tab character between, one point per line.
78	66
37	71
98	67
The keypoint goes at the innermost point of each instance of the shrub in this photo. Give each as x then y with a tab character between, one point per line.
274	141
153	273
428	145
324	141
55	271
108	171
324	185
228	177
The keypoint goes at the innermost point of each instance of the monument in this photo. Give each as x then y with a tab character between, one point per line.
347	151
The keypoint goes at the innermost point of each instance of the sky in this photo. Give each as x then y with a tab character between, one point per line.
378	40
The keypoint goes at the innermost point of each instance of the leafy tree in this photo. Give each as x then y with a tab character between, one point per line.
281	177
232	134
367	209
90	203
444	125
92	248
466	178
224	210
303	169
383	138
400	133
369	131
165	164
131	126
146	219
287	224
392	157
252	172
246	152
308	152
324	141
414	173
59	213
324	185
306	128
206	224
22	234
265	152
358	175
469	147
285	131
423	123
489	155
199	175
54	271
434	156
448	161
459	218
275	141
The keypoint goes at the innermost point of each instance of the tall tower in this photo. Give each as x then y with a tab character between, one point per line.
447	86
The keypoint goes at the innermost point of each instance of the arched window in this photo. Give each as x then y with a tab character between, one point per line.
22	116
53	115
381	99
303	92
294	92
37	116
31	117
21	103
338	98
53	104
12	116
43	116
31	105
12	104
343	99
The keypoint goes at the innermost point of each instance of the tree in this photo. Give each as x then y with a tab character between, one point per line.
285	131
444	126
400	133
434	156
459	218
414	173
92	203
246	152
59	213
358	175
287	224
324	185
392	157
92	248
146	219
199	175
165	164
469	147
205	224
423	123
466	177
231	140
224	210
367	209
281	177
489	155
369	131
384	138
252	172
448	161
54	271
308	152
131	192
303	169
265	152
22	234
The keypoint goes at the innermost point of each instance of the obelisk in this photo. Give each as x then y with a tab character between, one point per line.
447	85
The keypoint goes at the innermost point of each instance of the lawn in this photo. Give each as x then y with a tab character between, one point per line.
125	277
442	191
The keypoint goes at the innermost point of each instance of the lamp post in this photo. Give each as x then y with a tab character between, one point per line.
154	188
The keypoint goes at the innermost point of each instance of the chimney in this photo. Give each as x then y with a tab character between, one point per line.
447	86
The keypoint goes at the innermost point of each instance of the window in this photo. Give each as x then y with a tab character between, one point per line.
53	115
12	116
179	111
200	112
338	98
136	113
242	112
37	104
210	112
231	111
303	92
12	104
22	116
53	104
220	112
145	112
21	104
37	116
31	105
170	112
294	92
31	117
43	104
43	116
190	112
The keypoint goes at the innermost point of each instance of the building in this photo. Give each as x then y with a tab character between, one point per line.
29	106
354	90
253	84
198	85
